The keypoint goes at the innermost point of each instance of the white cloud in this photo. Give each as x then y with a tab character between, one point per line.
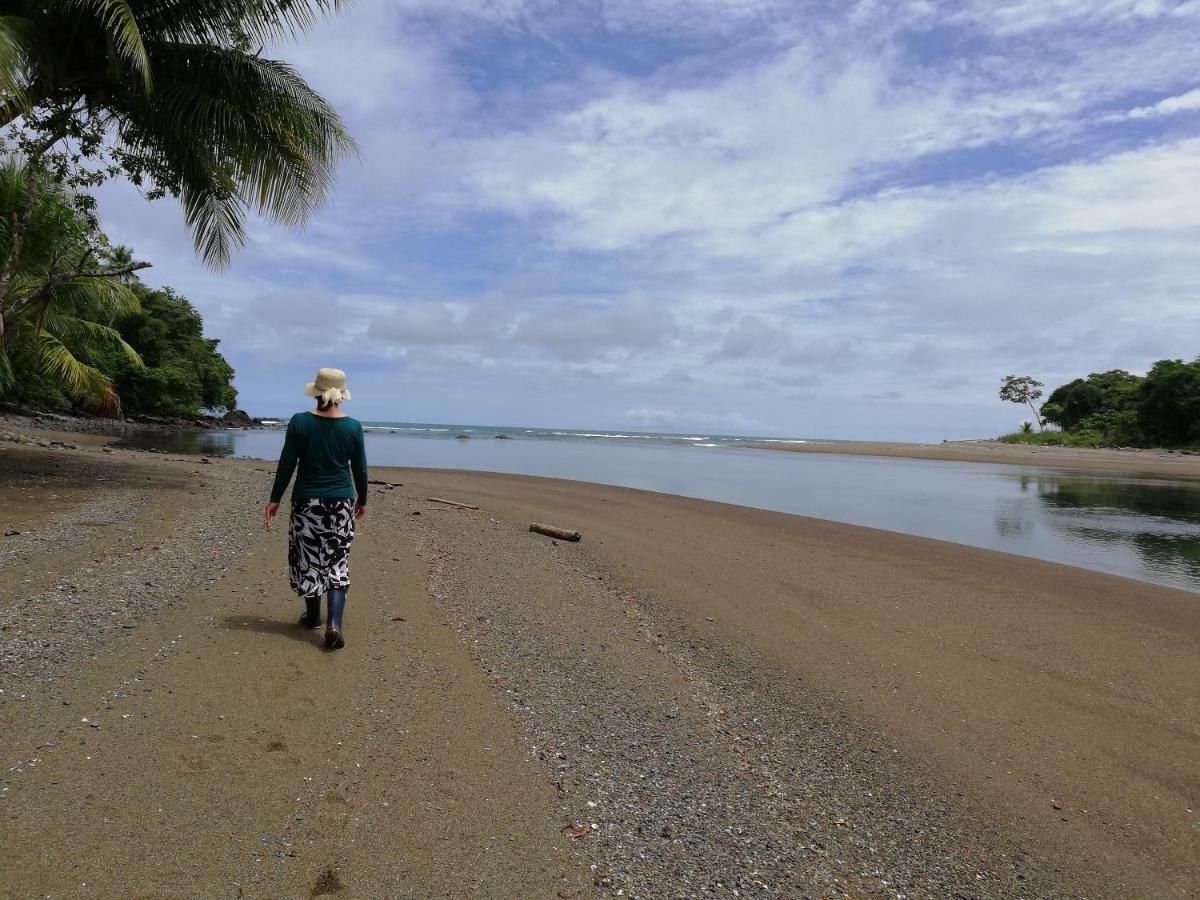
1186	102
1017	16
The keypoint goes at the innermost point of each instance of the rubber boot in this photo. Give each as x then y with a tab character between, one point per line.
333	630
312	612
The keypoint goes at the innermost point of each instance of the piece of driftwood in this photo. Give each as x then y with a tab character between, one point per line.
387	484
454	503
563	534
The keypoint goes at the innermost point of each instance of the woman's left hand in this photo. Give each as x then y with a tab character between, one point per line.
272	511
360	511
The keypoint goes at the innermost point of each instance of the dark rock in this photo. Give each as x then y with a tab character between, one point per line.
237	418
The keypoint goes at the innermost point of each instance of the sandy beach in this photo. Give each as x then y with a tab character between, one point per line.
695	700
1145	462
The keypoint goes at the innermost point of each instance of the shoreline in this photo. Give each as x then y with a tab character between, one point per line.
1139	462
704	691
69	423
60	427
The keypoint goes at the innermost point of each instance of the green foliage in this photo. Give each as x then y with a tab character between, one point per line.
184	373
1085	438
78	335
199	113
1117	408
1169	402
55	304
1104	402
158	363
1026	428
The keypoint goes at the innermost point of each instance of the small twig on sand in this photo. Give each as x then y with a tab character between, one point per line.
454	503
578	832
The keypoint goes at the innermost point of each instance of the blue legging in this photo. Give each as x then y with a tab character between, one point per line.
337	604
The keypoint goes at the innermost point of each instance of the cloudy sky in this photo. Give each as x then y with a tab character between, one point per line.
841	219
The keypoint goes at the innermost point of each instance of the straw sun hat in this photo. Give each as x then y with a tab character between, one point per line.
329	386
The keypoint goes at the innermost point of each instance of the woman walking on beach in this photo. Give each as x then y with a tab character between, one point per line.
329	447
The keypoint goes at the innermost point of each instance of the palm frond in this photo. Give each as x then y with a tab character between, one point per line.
86	385
15	32
121	25
213	210
101	297
239	131
74	331
215	21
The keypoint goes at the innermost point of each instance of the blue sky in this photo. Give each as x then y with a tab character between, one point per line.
750	216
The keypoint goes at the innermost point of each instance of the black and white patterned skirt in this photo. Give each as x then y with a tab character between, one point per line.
319	535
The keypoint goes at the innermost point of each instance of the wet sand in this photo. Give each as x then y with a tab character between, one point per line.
735	699
1148	462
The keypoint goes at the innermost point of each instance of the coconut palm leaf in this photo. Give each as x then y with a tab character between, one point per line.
102	298
86	385
238	131
219	127
15	34
209	21
82	332
58	319
121	27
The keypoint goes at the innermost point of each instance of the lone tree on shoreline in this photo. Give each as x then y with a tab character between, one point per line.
1023	389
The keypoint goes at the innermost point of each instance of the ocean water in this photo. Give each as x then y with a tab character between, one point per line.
1139	527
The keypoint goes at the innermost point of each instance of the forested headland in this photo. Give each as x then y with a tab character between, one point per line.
1115	408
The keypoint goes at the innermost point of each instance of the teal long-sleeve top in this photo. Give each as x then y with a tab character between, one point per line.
328	451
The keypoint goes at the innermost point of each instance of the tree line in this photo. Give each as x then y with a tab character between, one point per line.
1117	408
95	337
178	99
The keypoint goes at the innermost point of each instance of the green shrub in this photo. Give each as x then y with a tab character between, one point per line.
1084	438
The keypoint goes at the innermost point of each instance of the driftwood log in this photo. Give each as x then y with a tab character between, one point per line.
563	534
454	503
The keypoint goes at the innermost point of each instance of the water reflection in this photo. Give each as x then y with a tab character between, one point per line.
1157	520
192	443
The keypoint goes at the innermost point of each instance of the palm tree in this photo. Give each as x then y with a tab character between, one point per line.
193	110
60	295
121	257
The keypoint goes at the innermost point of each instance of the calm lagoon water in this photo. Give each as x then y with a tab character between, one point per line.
1140	527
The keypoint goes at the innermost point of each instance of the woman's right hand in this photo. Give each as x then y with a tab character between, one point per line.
272	511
